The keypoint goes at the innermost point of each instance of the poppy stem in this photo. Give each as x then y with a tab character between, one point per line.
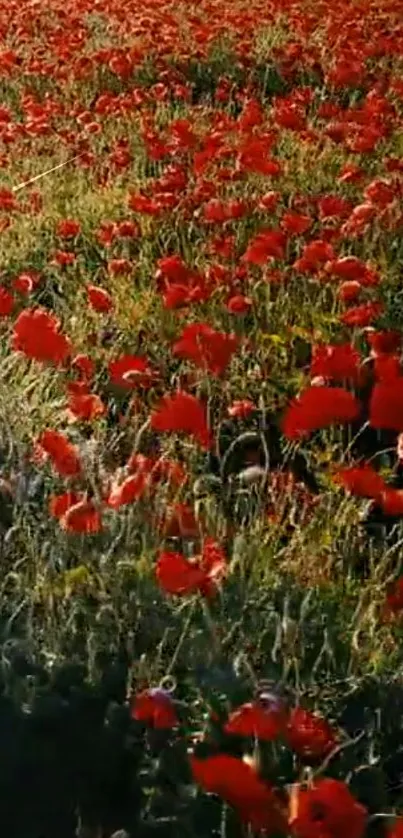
337	751
354	440
182	638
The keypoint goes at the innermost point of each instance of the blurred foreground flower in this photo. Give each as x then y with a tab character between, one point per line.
327	809
238	784
154	707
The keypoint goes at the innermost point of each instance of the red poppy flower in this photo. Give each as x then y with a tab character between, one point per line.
36	334
8	201
314	254
26	282
386	404
387	368
77	388
350	173
127	229
319	407
253	157
131	371
7	302
63	258
391	501
62	452
121	65
346	71
215	211
384	342
173	269
380	192
154	707
59	504
99	299
143	204
394	598
288	114
362	315
106	233
84	365
349	291
393	164
207	348
268	244
360	218
223	246
220	276
258	719
178	296
295	223
239	304
347	268
309	735
68	228
183	136
177	575
361	480
327	809
120	267
336	363
120	159
86	406
179	284
269	201
132	489
83	517
236	208
238	784
333	206
184	413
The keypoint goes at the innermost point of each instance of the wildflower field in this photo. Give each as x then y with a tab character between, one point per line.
201	419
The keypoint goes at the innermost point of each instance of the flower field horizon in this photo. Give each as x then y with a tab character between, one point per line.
201	419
